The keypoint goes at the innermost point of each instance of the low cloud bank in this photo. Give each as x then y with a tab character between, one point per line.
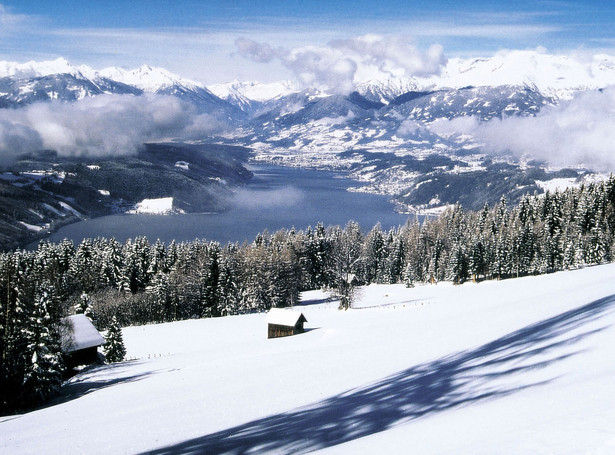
341	63
106	125
580	131
285	197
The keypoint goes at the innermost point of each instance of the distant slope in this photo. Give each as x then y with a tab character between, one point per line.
415	139
22	84
46	191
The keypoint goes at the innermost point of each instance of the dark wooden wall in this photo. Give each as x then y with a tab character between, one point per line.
276	331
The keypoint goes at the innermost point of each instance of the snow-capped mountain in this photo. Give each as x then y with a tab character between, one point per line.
381	133
147	78
250	95
385	90
553	75
34	69
30	82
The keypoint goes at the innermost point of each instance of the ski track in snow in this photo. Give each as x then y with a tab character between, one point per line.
515	366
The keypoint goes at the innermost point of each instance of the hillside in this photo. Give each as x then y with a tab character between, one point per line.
45	191
425	142
514	366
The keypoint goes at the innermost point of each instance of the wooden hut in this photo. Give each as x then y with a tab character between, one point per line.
80	341
284	322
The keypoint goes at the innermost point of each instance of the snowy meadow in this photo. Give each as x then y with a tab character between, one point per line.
513	366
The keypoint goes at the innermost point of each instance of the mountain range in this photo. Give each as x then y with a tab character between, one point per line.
386	134
22	84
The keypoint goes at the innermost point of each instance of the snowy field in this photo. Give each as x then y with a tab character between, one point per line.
521	366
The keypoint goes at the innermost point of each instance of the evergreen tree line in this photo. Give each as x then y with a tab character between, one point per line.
138	282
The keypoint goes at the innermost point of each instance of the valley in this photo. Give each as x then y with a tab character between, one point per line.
45	191
425	143
298	227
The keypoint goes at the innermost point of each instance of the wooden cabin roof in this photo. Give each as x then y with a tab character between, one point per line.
79	333
285	317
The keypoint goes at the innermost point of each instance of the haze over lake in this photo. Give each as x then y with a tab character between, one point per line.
277	197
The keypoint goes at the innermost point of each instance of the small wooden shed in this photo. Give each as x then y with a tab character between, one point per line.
80	341
283	322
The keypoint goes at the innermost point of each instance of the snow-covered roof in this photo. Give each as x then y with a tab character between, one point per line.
83	334
284	316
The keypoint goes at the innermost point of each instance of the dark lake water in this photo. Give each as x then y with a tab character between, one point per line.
277	197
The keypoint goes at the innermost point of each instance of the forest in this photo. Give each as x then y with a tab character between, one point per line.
139	282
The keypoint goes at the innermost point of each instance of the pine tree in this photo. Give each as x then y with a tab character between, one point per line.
395	262
114	343
44	367
84	306
210	276
457	265
158	288
228	302
409	276
375	255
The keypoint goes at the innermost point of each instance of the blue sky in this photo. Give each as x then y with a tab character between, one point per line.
198	38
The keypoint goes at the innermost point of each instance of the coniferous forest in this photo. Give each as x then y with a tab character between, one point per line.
139	282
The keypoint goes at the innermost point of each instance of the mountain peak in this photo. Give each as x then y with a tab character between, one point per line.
551	74
147	78
252	90
37	69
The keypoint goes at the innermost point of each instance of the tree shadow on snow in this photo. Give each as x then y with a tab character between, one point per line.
487	372
84	383
314	301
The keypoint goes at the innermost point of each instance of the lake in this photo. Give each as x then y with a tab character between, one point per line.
277	197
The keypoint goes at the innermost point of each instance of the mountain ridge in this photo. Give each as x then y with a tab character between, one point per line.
393	136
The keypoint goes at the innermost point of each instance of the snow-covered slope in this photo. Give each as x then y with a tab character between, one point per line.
516	366
553	75
39	69
22	84
249	95
386	90
147	78
255	91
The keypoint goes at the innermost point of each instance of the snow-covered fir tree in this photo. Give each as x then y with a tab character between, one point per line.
114	342
43	359
84	306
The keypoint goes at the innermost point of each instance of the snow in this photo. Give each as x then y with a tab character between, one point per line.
252	90
183	165
283	316
81	335
559	184
158	206
554	75
37	69
515	366
69	209
147	78
32	227
52	209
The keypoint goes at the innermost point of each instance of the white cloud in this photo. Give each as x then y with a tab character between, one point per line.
409	128
260	53
342	63
9	20
106	125
393	55
335	120
576	132
486	31
285	197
